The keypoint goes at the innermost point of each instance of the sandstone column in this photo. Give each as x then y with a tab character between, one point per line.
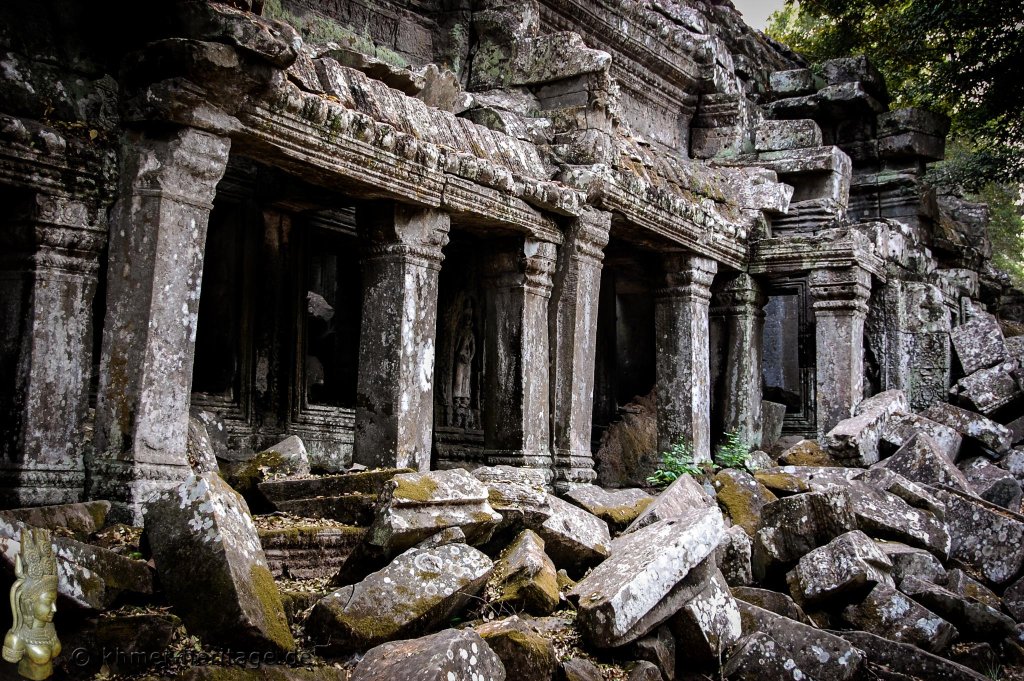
157	235
574	345
682	363
740	306
49	267
516	414
395	394
840	308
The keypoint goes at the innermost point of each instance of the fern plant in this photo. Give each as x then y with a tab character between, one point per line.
733	453
676	462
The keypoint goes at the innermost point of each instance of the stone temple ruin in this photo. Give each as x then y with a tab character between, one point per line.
553	235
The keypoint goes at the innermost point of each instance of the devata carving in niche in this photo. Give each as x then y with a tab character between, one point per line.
462	382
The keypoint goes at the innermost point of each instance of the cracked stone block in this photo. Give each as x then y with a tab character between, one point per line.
709	623
906	660
212	567
757	657
741	497
418	591
979	343
794	526
572	537
524	577
921	460
984	536
683	495
414	506
649	575
900	428
449	655
521	648
889	613
973	427
988	390
733	556
517	494
992	483
819	478
909	560
820	654
618	507
975	619
850	563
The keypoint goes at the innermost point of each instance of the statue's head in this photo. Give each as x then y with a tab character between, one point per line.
36	570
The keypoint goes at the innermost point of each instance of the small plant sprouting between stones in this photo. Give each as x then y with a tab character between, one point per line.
677	461
733	453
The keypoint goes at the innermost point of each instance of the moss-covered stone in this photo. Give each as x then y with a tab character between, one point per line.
524	577
530	656
741	497
781	483
806	453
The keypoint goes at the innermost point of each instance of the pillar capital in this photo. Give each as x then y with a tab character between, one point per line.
391	231
588	235
688	275
840	291
530	265
740	295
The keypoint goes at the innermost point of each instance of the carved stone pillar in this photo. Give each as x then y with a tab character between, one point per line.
395	392
578	285
740	305
168	181
840	308
516	415
48	271
682	363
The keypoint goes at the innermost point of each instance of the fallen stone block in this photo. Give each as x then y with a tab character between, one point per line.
212	568
519	495
1013	463
82	519
741	498
819	478
414	506
847	565
773	416
974	619
793	526
658	648
907	660
579	669
886	516
920	460
530	656
909	560
820	654
806	453
449	655
992	483
682	496
988	390
524	578
618	507
709	623
573	538
648	577
912	493
902	426
984	536
733	556
1013	600
854	441
643	670
972	427
781	484
773	601
291	452
418	591
757	657
889	401
889	613
979	343
959	582
199	448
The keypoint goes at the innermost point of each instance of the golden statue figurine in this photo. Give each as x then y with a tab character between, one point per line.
32	640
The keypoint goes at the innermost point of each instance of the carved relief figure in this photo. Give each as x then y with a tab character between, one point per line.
462	381
32	640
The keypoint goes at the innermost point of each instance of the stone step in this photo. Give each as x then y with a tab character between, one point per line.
363	482
350	509
309	551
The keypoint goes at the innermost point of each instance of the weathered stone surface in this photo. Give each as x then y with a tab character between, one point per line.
908	660
291	452
854	441
417	592
908	560
959	582
683	495
979	343
890	401
517	494
772	601
305	551
773	416
1013	600
82	519
921	460
806	453
644	671
449	535
782	135
647	578
901	427
889	613
756	657
794	526
618	508
741	497
887	516
659	648
199	448
819	478
733	556
819	654
988	390
449	655
974	619
848	564
524	577
414	506
521	649
627	452
918	496
573	538
212	567
709	623
781	483
579	669
984	536
992	483
971	426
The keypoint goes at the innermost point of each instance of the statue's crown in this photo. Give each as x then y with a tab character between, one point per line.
37	557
